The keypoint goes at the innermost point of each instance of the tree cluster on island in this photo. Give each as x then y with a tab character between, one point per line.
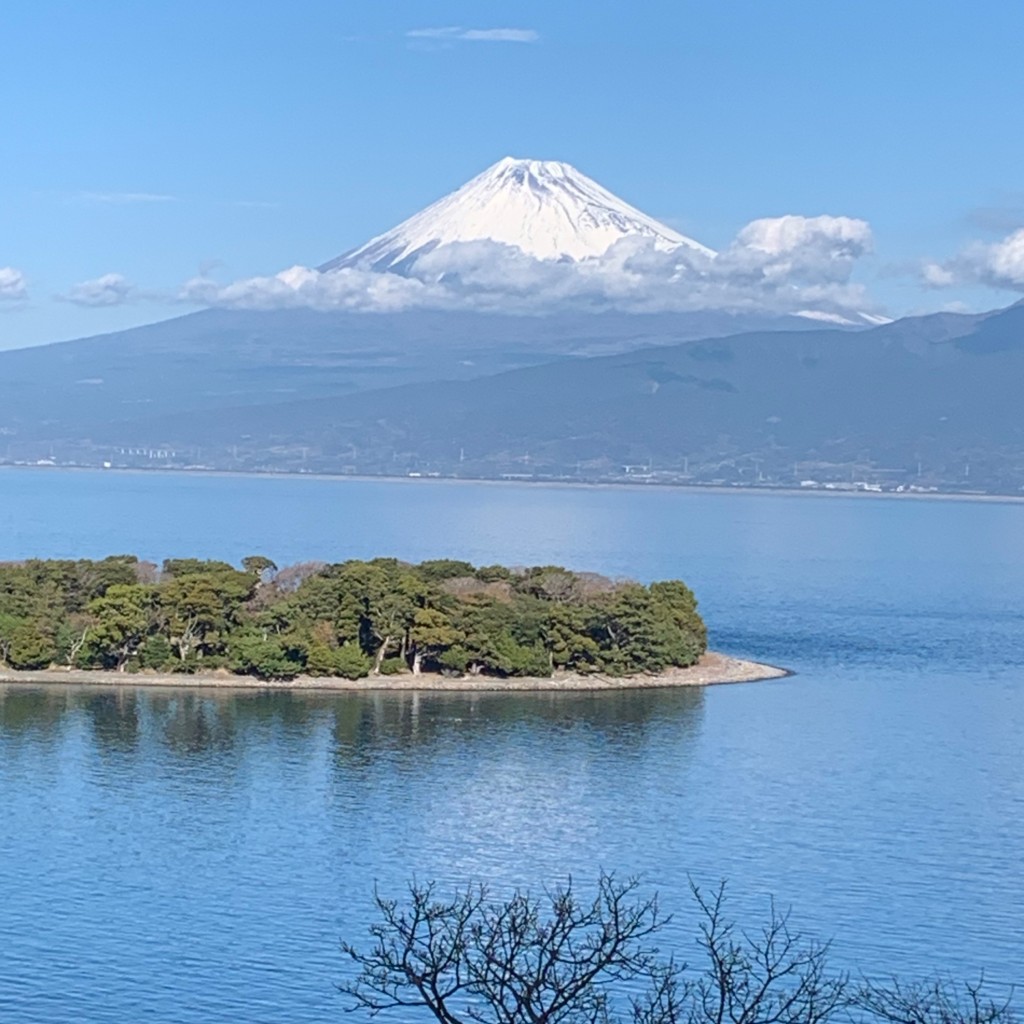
560	957
350	619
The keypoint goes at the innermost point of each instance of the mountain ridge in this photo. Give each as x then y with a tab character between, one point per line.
219	358
929	401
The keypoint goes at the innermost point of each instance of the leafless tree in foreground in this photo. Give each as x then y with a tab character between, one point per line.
772	976
557	959
938	1001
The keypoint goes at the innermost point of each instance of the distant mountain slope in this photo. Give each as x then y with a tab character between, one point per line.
220	358
933	397
546	209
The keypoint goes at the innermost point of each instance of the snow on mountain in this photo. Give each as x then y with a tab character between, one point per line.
535	236
546	209
849	319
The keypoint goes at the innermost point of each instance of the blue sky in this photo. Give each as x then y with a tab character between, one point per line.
159	140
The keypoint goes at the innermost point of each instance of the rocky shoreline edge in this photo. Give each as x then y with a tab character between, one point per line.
712	669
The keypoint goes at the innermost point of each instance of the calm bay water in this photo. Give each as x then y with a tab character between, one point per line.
178	857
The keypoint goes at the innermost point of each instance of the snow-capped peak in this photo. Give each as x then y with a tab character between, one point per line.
545	208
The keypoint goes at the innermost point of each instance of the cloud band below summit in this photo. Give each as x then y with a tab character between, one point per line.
777	265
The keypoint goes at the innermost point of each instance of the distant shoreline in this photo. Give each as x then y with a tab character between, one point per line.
405	478
713	669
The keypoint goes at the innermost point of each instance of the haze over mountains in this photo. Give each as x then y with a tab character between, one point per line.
457	380
930	401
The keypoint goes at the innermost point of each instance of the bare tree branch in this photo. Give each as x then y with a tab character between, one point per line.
560	959
528	960
775	976
935	1001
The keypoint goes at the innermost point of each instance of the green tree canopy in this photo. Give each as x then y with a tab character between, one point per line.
348	619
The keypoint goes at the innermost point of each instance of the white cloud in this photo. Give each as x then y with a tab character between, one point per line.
301	287
811	248
501	35
456	33
775	235
122	198
107	290
1002	264
782	265
995	264
13	286
934	275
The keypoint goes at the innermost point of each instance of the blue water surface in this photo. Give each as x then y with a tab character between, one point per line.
195	858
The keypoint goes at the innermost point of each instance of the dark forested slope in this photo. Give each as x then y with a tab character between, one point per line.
935	396
219	359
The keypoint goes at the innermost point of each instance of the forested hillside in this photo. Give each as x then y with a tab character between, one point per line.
927	402
350	619
223	359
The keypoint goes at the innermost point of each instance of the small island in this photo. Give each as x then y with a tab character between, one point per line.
380	624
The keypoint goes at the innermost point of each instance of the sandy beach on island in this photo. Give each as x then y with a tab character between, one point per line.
712	669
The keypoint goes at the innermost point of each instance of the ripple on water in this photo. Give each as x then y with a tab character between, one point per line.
185	858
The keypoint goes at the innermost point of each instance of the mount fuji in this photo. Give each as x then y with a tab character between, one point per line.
546	209
539	236
529	263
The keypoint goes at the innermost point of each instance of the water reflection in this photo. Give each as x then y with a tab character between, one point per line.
115	720
29	713
362	726
410	720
